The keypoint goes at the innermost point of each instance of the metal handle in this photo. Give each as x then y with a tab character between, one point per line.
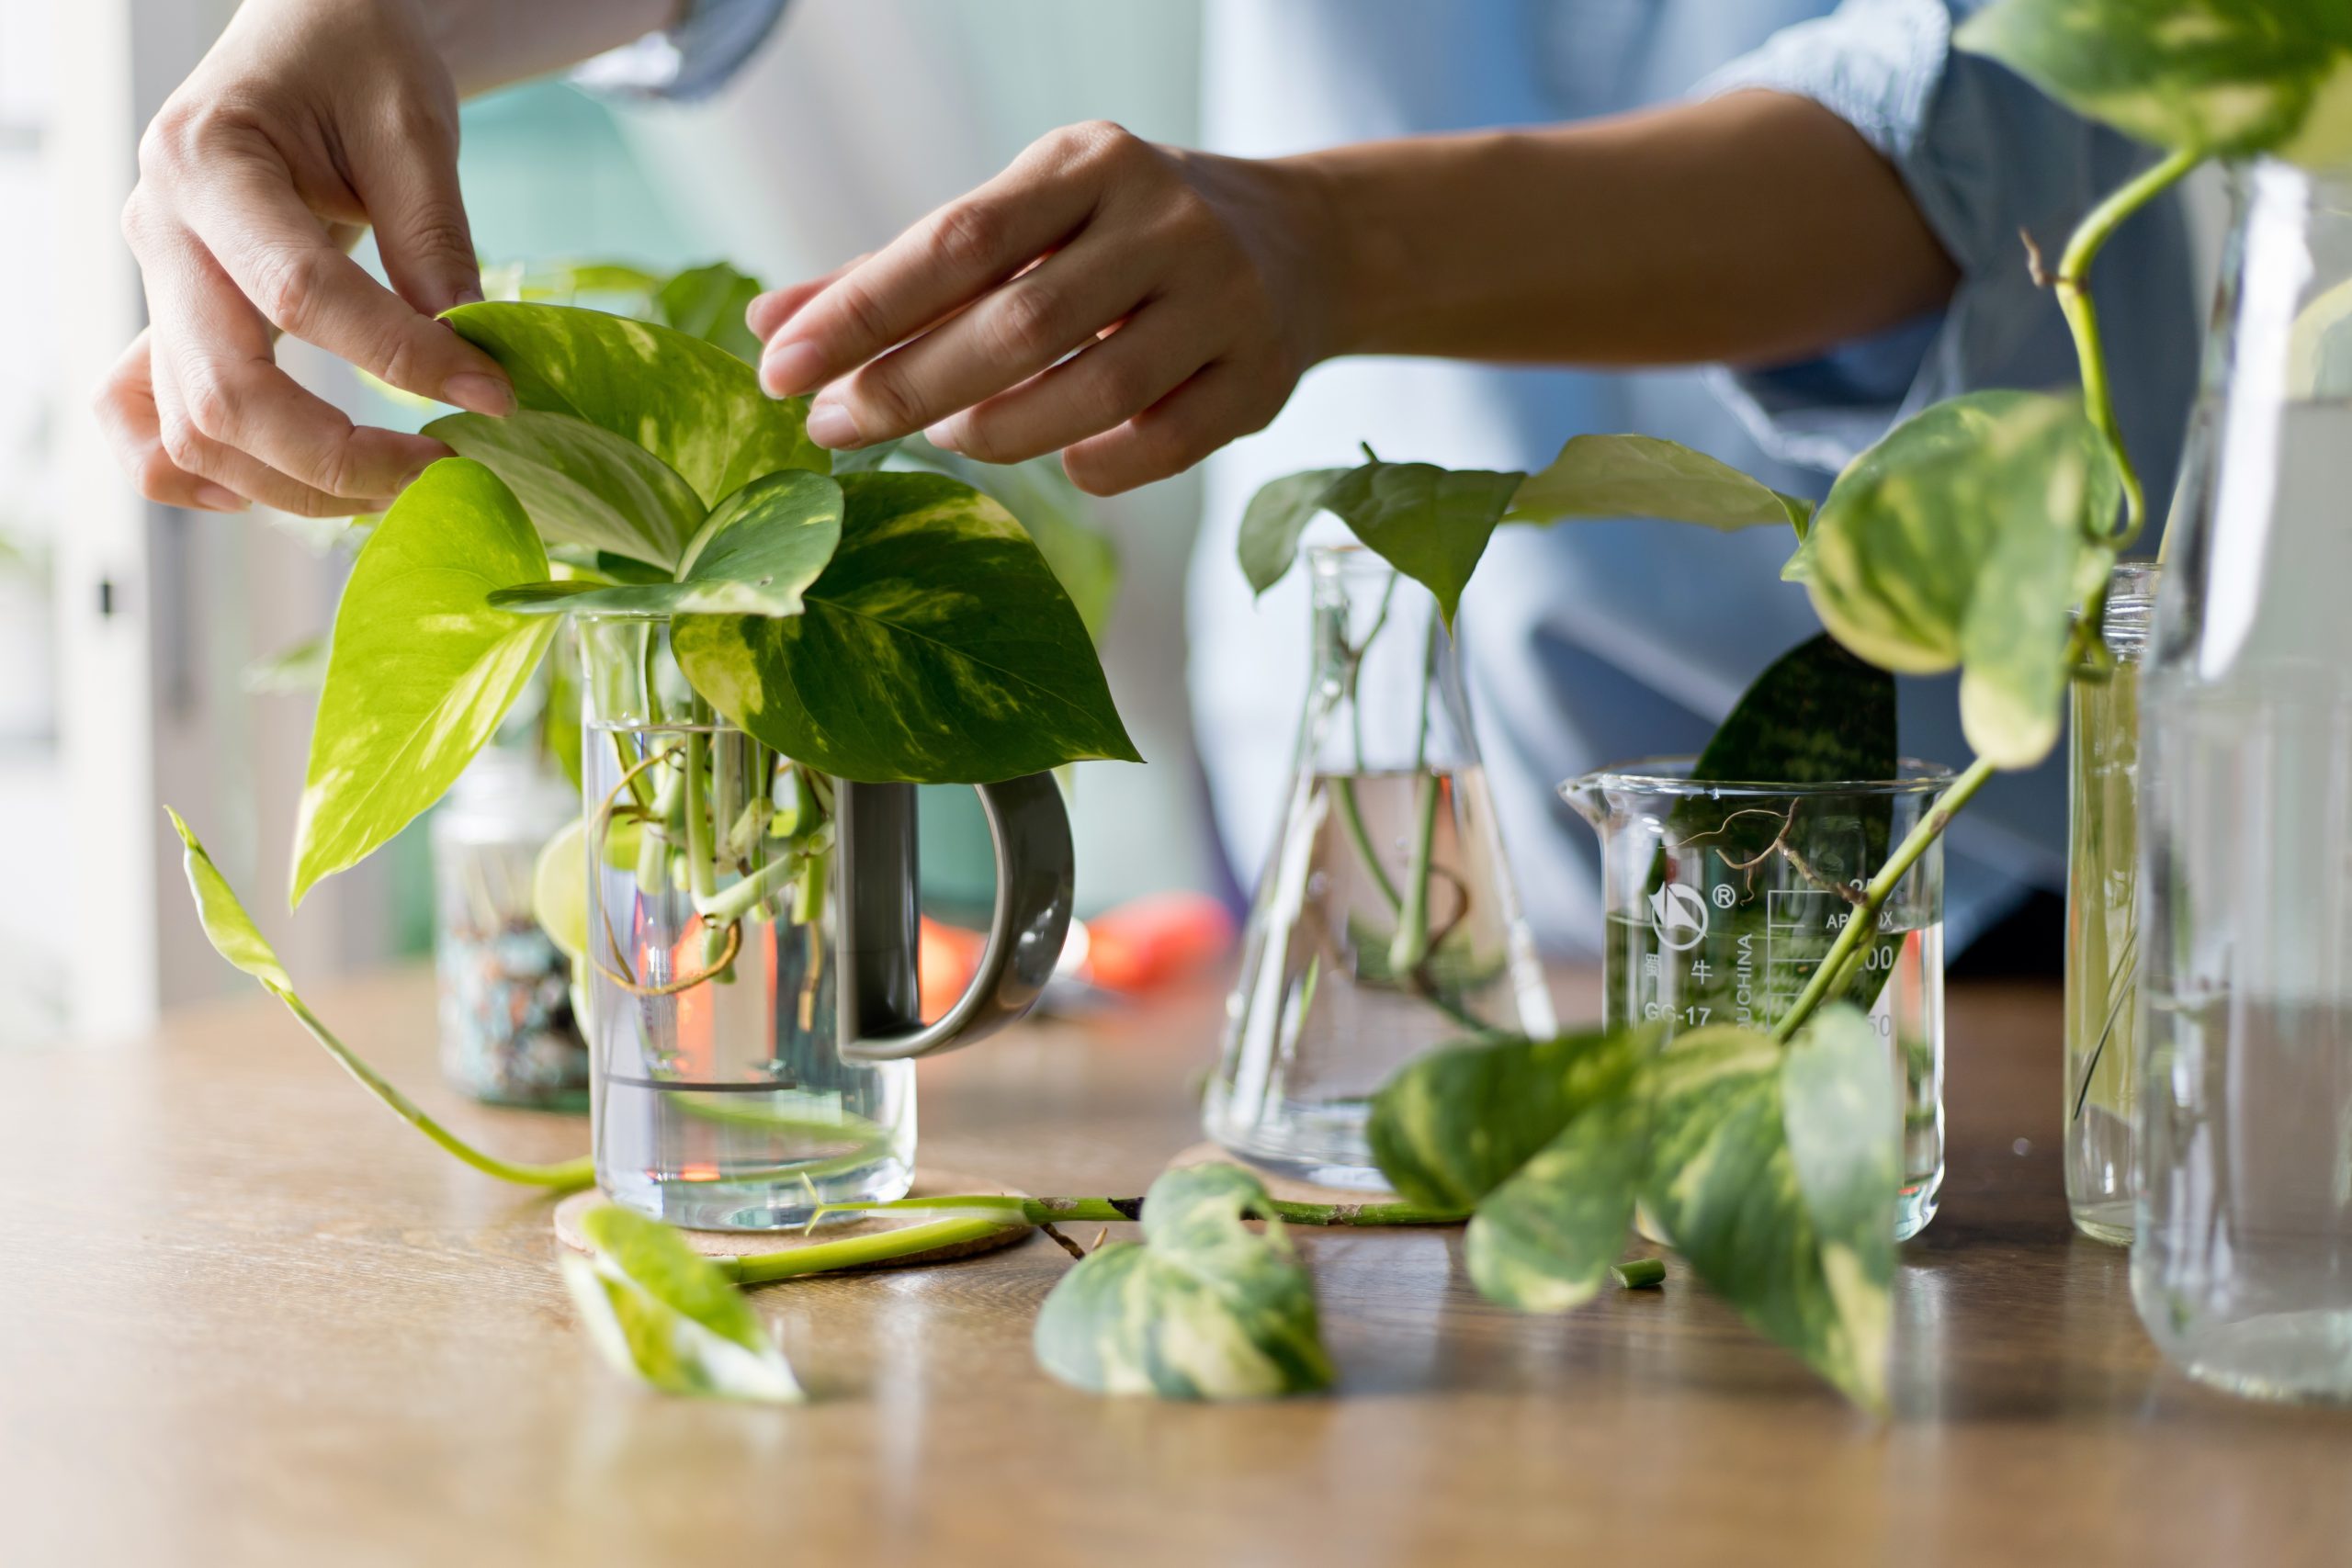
881	1002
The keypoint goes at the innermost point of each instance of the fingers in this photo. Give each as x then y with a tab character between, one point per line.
778	305
215	381
1098	390
970	245
248	219
1009	334
410	188
1227	400
126	409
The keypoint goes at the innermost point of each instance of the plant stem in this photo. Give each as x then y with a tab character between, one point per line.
1039	1210
1639	1273
2074	301
1413	942
1863	918
1352	814
699	876
859	1251
563	1177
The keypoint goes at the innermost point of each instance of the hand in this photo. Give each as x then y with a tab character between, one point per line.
1132	306
308	120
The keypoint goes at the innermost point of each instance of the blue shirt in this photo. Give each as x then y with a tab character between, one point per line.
1591	643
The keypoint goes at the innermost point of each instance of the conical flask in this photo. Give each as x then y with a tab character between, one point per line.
1385	922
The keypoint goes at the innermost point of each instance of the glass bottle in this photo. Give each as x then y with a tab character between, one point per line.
2242	1262
507	1031
2100	1087
1386	922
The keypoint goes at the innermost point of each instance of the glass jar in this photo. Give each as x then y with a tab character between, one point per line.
508	1035
1386	922
2100	1086
1721	900
2242	1260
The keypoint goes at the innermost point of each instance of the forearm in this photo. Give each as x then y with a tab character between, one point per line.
490	44
1749	228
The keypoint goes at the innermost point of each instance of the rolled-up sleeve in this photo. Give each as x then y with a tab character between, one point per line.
1987	159
689	60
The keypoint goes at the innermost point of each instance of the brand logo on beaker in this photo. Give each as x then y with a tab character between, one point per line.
1679	916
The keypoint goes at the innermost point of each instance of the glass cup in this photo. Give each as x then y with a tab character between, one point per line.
2102	1066
1721	900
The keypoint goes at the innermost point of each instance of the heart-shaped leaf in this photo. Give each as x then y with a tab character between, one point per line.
582	484
760	549
1430	524
421	667
1053	511
660	1312
1963	538
1773	1170
1204	1308
693	405
2222	77
935	647
1640	476
1274	519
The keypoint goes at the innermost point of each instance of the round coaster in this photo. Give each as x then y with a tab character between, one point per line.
1287	1189
738	1244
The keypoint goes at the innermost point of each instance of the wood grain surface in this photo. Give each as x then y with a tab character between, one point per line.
247	1317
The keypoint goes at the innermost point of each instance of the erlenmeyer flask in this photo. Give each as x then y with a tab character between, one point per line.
1386	921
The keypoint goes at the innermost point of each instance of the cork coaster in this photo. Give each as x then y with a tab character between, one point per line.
1286	1189
736	1244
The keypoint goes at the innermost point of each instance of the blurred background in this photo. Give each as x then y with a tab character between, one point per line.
139	645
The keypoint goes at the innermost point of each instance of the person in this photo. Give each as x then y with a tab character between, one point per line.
1460	232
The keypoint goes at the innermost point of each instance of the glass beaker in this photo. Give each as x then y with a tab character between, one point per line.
507	1032
751	953
1721	900
2242	1256
1386	922
2100	1087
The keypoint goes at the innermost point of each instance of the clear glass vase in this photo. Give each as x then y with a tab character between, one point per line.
2101	1082
1385	922
751	953
2242	1260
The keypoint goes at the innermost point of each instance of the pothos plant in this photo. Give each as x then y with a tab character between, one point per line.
1977	536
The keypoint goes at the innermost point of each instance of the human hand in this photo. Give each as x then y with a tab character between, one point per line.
1186	283
308	120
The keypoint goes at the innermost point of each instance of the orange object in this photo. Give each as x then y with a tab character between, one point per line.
944	965
1150	941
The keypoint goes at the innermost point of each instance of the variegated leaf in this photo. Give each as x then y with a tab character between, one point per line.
1773	1170
709	302
1544	1240
937	648
692	404
1430	524
1203	1309
421	667
1962	538
1450	1127
582	484
757	553
2222	77
1641	476
660	1312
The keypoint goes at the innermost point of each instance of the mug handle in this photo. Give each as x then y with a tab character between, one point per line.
878	995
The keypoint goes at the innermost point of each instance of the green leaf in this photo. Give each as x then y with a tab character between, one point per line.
709	302
235	937
937	648
1546	1239
580	484
421	667
1961	538
695	407
1450	1126
1817	714
1430	524
1056	514
1274	519
1203	1309
660	1312
1774	1172
760	550
1639	475
2222	76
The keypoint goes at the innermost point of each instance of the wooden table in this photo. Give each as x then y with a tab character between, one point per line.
246	1317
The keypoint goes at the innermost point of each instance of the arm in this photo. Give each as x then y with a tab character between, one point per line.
1753	226
309	121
